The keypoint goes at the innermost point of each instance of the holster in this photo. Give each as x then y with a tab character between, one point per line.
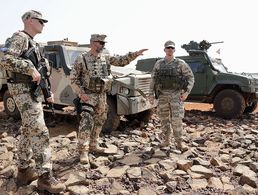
80	107
77	105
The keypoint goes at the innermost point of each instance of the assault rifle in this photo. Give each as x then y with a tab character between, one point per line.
44	85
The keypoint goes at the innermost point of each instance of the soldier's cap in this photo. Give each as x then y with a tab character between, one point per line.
169	44
33	14
98	37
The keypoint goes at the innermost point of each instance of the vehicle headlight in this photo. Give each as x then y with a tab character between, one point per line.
124	90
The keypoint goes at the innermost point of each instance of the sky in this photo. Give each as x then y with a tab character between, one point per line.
131	25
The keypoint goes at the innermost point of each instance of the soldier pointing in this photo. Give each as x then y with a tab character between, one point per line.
90	82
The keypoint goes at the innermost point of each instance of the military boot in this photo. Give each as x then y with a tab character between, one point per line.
49	183
96	149
181	146
84	157
84	154
26	176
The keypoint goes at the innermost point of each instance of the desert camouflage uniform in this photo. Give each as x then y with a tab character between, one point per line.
170	107
91	123
34	140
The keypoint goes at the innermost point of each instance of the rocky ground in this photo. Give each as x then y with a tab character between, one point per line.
222	158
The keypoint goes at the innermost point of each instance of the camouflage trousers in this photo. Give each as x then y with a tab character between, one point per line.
171	112
91	123
34	139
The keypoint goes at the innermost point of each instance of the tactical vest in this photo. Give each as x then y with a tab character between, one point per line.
169	78
99	72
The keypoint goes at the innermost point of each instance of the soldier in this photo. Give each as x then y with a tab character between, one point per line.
90	82
172	82
34	151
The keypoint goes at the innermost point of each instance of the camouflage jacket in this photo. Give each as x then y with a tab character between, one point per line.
87	65
12	61
182	67
16	46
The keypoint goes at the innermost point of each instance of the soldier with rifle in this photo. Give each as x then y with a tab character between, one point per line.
28	74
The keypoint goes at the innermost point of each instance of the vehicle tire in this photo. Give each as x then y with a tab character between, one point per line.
113	120
143	116
10	106
229	104
251	108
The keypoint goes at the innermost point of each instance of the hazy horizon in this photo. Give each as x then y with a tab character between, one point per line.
136	24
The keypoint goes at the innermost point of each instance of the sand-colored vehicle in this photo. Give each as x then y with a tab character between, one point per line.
127	96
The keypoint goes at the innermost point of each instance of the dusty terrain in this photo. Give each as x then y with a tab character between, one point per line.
203	107
222	157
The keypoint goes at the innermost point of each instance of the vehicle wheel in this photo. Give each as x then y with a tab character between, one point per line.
10	106
251	108
143	116
229	104
113	120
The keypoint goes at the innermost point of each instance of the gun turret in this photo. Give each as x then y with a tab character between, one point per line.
203	45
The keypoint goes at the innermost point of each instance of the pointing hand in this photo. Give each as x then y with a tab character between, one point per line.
140	52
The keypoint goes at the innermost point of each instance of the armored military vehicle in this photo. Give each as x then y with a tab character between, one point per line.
232	94
127	96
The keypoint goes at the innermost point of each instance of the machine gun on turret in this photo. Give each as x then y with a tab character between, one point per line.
203	45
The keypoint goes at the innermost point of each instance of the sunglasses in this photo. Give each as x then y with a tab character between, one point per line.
170	48
40	21
101	42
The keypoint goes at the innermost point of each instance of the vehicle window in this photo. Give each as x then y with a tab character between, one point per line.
196	66
73	54
219	65
52	60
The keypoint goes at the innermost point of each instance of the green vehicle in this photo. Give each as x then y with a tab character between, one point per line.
231	94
